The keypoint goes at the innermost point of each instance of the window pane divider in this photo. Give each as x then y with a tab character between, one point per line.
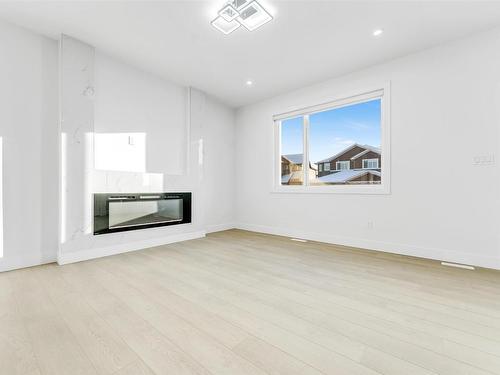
305	132
277	164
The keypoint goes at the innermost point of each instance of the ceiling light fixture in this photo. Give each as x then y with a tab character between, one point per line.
229	13
249	82
224	26
247	13
377	32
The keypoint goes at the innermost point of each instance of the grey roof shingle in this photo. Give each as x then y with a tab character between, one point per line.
366	147
294	158
298	159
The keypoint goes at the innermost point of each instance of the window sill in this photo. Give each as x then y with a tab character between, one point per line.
357	190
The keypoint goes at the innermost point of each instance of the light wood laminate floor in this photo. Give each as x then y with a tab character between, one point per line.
241	303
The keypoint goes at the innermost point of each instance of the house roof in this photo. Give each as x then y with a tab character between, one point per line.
294	158
347	175
365	147
286	178
298	159
360	154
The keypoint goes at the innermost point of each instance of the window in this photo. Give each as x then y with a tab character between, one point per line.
341	146
370	163
341	165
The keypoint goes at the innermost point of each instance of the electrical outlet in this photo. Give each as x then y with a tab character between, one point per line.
369	225
484	159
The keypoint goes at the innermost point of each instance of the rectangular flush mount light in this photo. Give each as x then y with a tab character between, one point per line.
235	13
229	13
240	4
224	26
254	16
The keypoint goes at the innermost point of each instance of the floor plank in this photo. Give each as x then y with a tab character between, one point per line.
245	303
105	349
345	340
16	349
56	349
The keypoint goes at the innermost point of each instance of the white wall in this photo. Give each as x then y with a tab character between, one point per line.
28	126
445	110
219	166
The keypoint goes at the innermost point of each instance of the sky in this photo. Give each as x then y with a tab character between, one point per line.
334	130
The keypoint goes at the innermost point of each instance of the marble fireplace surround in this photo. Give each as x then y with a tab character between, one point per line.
80	179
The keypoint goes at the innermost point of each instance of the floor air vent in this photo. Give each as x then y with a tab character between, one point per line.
457	265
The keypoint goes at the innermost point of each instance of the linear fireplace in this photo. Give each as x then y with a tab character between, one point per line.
122	212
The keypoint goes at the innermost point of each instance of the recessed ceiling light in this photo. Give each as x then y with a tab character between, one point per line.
249	82
377	32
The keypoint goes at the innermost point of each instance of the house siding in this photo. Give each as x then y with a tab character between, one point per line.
287	167
344	157
358	163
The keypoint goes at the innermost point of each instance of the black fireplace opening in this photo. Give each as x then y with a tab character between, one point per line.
131	211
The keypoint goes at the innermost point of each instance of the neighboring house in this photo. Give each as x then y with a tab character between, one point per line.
354	165
291	169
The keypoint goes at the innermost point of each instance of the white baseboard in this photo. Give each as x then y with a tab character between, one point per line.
79	256
219	227
388	247
24	263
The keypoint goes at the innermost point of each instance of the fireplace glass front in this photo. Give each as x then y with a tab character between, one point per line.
119	212
126	214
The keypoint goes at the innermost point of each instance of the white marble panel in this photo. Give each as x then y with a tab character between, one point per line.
133	105
80	178
126	182
77	116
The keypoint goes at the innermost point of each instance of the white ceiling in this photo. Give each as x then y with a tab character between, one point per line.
308	41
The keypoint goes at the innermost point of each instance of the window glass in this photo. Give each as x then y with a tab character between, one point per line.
348	137
292	149
370	163
341	165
